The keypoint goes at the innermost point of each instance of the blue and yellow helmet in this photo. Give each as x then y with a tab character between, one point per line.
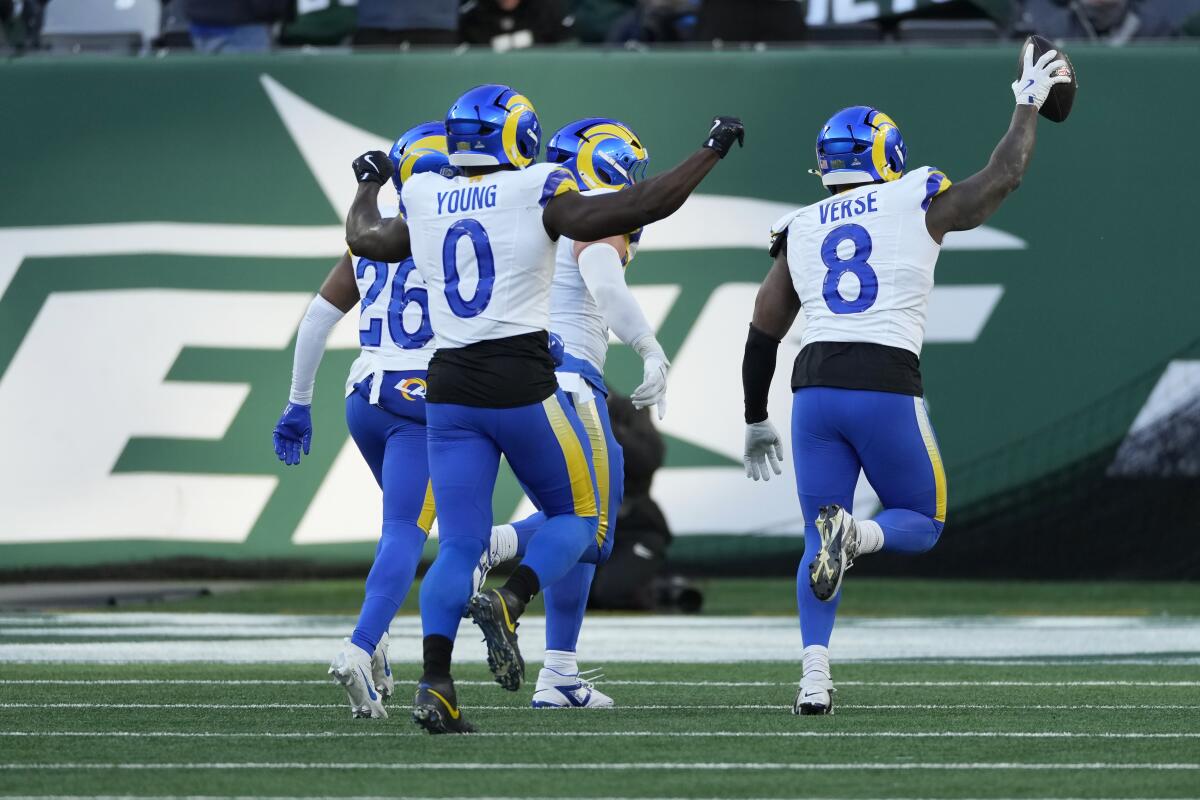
602	153
493	125
420	149
860	144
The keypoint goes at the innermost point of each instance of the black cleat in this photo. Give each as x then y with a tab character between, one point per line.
435	708
495	612
839	545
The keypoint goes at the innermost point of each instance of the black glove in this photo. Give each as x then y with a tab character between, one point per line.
373	167
725	131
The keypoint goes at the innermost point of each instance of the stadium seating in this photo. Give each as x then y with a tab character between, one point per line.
858	33
947	31
74	26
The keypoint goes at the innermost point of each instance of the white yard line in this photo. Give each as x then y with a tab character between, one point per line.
612	766
474	797
240	638
712	706
607	734
606	681
490	797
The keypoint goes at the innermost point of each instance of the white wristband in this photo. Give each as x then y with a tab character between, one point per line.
647	345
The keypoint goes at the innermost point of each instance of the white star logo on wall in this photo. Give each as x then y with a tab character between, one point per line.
705	410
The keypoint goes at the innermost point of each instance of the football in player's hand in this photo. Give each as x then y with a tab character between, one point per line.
1062	95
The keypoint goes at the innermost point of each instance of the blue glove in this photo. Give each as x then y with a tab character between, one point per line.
557	349
292	432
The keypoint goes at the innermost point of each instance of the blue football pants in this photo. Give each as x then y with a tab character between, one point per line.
837	432
566	599
395	450
548	449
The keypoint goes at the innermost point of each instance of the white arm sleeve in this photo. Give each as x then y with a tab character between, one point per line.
602	271
318	321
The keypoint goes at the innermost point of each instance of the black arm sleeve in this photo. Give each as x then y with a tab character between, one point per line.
758	367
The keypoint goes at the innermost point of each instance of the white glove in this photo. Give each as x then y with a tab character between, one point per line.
653	390
1033	87
762	445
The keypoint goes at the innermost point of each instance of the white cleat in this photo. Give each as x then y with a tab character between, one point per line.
839	546
352	669
555	690
815	695
381	669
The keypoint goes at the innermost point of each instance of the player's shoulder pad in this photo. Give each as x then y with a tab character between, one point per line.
779	232
415	183
420	179
556	180
928	183
538	173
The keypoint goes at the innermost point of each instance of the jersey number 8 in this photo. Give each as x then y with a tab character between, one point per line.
868	281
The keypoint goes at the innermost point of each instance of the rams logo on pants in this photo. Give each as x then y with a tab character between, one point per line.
412	388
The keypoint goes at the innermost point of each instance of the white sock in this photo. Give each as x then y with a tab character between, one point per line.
561	661
504	544
816	659
870	536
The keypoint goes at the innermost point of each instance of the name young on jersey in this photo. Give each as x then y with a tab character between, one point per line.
468	198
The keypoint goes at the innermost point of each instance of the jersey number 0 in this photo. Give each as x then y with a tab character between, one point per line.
483	258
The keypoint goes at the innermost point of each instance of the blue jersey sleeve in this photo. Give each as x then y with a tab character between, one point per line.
935	184
560	181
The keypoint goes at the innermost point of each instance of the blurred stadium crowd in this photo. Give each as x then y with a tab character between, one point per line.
233	26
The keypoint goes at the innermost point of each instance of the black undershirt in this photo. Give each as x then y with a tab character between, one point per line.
858	365
495	373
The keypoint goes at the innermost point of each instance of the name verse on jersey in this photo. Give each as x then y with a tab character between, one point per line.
844	209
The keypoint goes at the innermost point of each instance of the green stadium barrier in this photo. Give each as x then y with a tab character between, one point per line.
164	222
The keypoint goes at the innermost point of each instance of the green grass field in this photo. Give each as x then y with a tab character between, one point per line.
870	597
901	730
1124	725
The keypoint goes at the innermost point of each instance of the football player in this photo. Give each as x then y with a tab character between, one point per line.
861	266
589	297
484	243
385	412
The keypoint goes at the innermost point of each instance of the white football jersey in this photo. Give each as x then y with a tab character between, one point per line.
393	320
574	314
862	261
480	246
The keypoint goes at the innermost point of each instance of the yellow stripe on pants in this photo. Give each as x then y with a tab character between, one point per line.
590	418
583	491
428	510
935	459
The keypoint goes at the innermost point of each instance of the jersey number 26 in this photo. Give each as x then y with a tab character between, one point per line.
399	300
